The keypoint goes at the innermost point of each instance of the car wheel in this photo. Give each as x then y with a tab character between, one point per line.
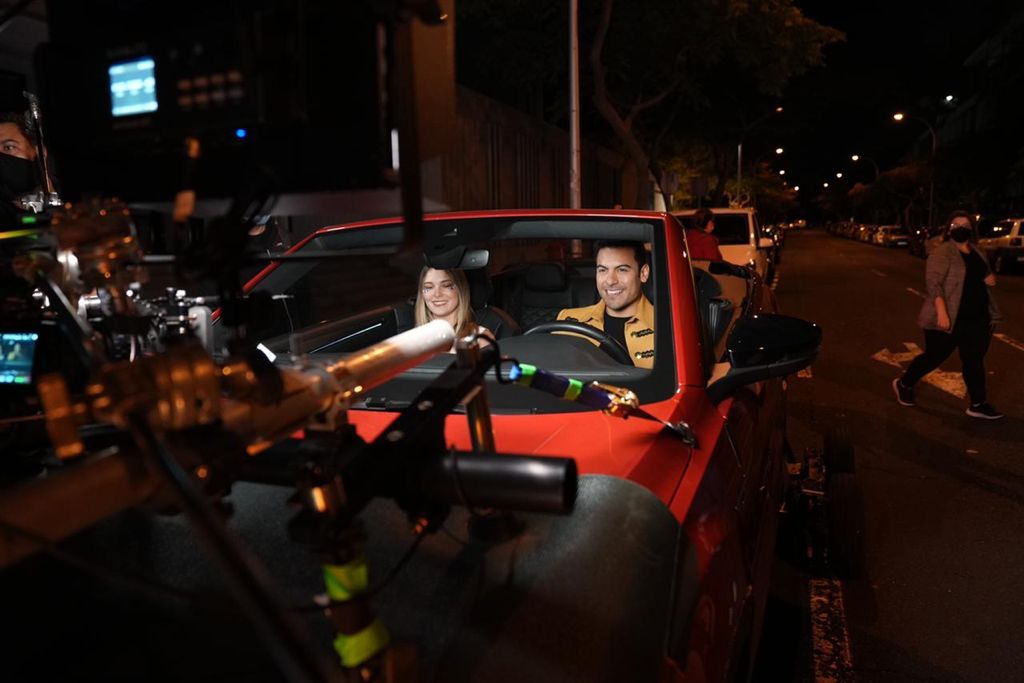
838	452
845	505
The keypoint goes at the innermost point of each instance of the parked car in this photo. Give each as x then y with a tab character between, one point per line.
740	239
891	236
1002	242
669	550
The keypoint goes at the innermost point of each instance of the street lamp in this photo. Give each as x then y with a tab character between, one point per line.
796	188
839	175
857	157
779	150
825	185
782	171
899	116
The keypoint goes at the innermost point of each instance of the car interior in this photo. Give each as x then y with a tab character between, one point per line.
531	271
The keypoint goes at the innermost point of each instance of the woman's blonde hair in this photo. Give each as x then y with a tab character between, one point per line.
464	322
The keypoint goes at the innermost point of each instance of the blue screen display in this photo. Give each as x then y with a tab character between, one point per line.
17	350
133	87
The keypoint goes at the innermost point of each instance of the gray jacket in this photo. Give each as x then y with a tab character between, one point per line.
944	276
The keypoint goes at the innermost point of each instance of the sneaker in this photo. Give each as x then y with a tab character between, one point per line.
904	394
984	411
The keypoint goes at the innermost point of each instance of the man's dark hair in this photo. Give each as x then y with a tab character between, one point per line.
702	217
638	249
21	120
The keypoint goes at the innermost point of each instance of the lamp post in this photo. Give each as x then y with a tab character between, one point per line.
857	157
739	147
899	117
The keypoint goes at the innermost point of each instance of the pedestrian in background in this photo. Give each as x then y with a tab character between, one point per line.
701	243
959	312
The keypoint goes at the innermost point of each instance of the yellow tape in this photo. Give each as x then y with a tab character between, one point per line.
358	647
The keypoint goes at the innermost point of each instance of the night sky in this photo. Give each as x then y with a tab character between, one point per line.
897	55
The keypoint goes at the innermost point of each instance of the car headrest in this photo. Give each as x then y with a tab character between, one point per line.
546	277
480	287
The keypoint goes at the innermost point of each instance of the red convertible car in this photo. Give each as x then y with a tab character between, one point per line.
661	571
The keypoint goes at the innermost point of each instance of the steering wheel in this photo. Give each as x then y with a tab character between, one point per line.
606	342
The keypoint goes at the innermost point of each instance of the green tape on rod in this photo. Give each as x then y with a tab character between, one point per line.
574	390
346	580
357	648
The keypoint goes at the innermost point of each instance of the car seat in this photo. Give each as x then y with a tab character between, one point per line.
540	293
495	319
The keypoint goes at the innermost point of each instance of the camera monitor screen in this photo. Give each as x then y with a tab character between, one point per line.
17	350
133	87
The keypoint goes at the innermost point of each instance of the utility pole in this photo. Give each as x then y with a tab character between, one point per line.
574	106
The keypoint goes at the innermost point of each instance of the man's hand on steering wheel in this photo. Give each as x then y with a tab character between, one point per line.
606	342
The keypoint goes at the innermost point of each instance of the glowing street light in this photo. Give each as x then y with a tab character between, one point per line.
857	157
949	98
899	116
824	184
782	171
796	188
839	175
778	110
779	150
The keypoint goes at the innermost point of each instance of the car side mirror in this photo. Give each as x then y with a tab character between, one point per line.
765	243
764	346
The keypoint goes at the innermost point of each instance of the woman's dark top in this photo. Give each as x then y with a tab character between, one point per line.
974	302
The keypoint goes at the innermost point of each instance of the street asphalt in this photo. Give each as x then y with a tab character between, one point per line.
942	598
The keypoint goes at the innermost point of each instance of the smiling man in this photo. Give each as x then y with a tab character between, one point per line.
623	311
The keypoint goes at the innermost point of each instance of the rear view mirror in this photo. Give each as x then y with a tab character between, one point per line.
765	346
458	257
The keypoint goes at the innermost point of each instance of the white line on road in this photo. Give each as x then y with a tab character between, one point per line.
878	272
1007	339
950	382
914	291
829	635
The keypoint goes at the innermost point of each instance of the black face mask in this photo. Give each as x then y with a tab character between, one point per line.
960	235
17	176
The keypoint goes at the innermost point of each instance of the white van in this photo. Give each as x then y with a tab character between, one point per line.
739	238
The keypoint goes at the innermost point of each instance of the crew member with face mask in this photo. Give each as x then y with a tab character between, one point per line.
19	174
959	312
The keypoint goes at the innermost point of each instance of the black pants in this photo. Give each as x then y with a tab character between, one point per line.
972	338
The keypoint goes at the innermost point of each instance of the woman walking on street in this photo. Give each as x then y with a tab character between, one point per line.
959	312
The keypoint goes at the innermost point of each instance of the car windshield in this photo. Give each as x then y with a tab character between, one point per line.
520	272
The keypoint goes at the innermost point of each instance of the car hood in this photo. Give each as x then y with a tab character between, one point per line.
635	449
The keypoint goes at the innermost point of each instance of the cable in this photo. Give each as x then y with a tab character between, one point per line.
283	636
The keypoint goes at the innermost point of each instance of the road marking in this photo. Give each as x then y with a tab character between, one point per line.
805	373
878	272
1007	339
829	635
950	382
914	291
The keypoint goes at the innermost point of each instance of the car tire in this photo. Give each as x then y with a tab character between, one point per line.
838	452
845	526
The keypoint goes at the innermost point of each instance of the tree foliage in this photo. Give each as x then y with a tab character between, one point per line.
662	76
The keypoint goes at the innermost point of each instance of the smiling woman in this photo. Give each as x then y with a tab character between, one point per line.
444	294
